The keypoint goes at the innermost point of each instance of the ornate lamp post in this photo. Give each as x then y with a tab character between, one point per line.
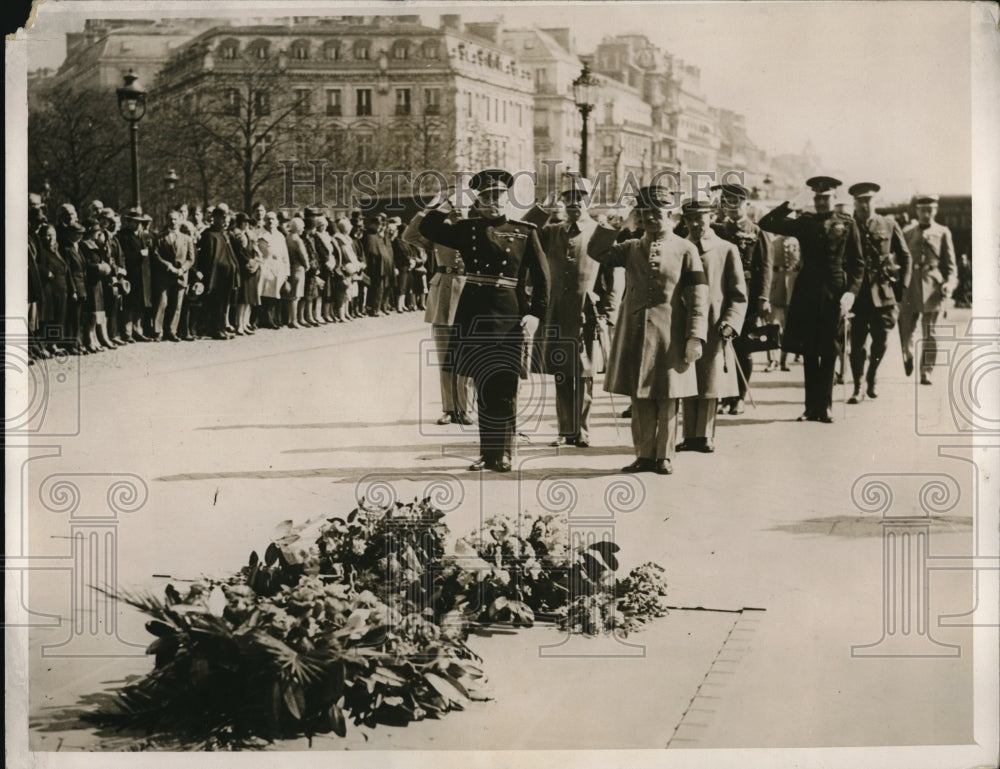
584	92
132	107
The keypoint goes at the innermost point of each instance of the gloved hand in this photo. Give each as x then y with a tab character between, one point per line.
846	302
726	331
765	308
692	350
530	325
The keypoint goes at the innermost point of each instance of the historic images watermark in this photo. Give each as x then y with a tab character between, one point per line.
362	190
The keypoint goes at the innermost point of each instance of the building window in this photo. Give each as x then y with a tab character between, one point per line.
401	50
300	50
529	44
362	50
432	50
432	101
262	103
331	51
263	144
402	101
230	49
260	48
364	102
303	101
540	77
231	101
333	102
468	104
609	146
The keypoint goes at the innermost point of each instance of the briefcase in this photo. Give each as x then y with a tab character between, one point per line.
760	338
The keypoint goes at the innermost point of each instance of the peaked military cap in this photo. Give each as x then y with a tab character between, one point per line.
925	200
696	206
491	179
655	196
732	190
576	187
863	189
823	184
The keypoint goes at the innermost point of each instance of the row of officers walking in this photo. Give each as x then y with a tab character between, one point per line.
676	307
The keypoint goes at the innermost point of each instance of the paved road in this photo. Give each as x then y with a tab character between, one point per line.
775	570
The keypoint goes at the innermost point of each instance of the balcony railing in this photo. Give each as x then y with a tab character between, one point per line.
334	110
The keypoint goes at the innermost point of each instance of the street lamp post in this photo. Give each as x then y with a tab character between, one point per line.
584	88
132	107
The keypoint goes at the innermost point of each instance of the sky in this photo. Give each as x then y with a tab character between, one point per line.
882	90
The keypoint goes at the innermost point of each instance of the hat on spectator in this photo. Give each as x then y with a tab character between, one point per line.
107	213
221	208
863	189
925	200
75	226
34	200
395	220
135	214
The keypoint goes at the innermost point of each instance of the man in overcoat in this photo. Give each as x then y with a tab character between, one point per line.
831	273
736	226
442	303
566	340
496	317
136	248
661	330
934	278
727	308
887	274
217	263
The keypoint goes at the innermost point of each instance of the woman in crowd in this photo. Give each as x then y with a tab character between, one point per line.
274	270
298	262
248	256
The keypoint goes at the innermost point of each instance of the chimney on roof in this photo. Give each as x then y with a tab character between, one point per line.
488	30
562	36
451	21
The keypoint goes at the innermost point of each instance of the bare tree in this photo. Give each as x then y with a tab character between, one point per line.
76	146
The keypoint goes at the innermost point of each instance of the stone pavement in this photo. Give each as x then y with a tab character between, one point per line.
775	569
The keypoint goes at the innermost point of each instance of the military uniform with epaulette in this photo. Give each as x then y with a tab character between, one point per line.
489	343
887	273
832	266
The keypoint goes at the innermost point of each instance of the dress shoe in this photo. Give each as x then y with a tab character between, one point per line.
140	337
119	341
771	366
925	379
825	417
502	465
462	418
738	407
786	368
908	365
663	467
188	338
857	396
641	465
840	379
582	443
627	413
563	440
446	418
805	416
707	446
688	444
722	408
478	465
872	392
171	338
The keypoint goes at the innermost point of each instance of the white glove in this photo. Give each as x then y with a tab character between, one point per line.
692	350
530	325
846	302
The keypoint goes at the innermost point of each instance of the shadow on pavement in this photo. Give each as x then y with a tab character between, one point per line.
315	425
857	526
354	474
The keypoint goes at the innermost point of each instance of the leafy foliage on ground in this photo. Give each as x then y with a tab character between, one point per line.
366	624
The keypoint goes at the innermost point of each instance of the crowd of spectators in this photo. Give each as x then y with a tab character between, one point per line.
100	279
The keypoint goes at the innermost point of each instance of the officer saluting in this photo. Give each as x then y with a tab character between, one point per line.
496	317
887	274
832	268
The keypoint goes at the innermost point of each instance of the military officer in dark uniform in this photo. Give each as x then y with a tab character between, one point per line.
496	317
758	268
832	269
887	274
